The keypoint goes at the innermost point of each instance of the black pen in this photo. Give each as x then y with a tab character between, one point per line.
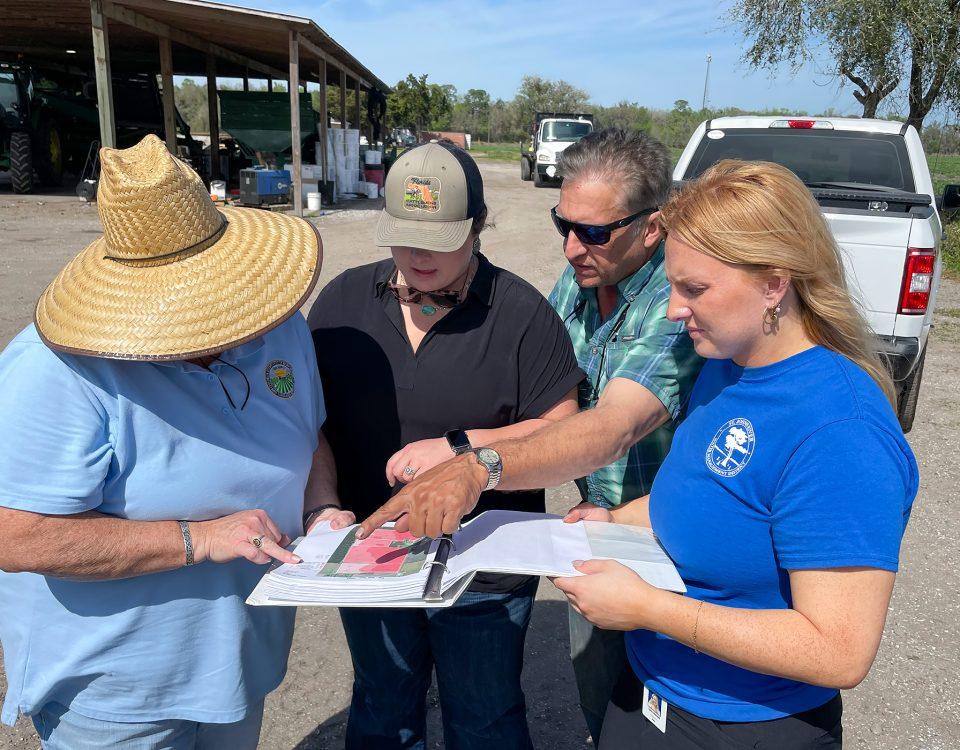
431	592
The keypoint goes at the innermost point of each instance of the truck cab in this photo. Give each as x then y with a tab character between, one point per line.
871	180
552	132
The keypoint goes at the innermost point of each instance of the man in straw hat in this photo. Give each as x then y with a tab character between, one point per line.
162	417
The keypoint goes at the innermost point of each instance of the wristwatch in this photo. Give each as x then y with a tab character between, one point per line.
458	441
490	459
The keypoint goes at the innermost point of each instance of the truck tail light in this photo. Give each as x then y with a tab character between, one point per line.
917	280
802	124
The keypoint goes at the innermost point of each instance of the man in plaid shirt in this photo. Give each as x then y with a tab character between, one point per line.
639	365
613	301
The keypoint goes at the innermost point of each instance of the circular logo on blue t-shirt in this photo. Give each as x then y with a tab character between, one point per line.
279	377
731	447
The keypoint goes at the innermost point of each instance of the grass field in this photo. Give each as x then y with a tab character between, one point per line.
945	169
498	151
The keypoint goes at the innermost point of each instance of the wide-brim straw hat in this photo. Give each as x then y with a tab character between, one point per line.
173	276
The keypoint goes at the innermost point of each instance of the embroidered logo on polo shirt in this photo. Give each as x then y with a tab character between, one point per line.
421	194
279	377
731	448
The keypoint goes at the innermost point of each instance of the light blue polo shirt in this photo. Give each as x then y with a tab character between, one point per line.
153	441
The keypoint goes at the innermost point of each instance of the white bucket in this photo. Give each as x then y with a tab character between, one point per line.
371	156
218	190
373	189
313	201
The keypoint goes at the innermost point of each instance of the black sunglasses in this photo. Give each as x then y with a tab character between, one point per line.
594	234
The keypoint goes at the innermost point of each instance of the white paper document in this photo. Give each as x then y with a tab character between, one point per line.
390	568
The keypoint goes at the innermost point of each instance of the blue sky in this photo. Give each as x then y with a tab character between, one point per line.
651	53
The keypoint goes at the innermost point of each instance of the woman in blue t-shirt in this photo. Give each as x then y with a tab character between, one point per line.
783	499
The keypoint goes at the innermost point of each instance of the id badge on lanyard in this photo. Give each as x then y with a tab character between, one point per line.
654	708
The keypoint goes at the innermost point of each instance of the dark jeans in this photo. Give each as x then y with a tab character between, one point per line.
476	647
625	727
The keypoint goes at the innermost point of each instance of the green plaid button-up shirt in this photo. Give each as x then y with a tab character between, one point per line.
636	342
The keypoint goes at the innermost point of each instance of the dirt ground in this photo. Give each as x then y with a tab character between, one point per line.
911	698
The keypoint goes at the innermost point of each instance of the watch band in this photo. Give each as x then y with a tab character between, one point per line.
319	509
458	441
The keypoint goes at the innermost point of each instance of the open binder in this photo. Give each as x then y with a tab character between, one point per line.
395	569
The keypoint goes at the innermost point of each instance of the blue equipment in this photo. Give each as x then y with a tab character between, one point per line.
259	186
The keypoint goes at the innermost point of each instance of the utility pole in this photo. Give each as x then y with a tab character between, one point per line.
706	81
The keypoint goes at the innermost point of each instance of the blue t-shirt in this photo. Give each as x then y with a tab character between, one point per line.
153	441
797	465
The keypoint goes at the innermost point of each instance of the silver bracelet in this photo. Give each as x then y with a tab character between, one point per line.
187	542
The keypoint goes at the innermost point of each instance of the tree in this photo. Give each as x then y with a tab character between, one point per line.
472	112
502	125
538	94
416	103
191	99
442	100
625	115
876	45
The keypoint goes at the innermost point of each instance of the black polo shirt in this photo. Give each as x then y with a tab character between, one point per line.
500	357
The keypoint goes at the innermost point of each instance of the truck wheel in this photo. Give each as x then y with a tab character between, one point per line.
538	181
49	154
525	169
909	393
21	162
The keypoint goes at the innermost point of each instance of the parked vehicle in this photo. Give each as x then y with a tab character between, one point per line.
871	180
551	133
48	119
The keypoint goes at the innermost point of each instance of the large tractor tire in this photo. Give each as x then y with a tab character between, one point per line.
538	181
525	169
48	156
21	162
909	393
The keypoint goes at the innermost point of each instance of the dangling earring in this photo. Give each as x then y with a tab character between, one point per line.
771	316
476	246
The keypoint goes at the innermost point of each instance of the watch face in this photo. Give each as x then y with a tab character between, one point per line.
488	456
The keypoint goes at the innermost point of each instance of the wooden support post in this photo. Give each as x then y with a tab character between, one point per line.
324	118
294	88
214	114
169	102
246	83
270	85
343	98
358	124
101	61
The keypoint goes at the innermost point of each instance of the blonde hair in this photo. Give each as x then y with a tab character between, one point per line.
760	215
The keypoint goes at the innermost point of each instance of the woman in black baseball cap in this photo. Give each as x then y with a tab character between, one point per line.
423	356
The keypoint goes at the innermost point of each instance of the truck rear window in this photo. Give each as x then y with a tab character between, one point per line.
815	156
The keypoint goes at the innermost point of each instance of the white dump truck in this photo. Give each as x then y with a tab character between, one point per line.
871	180
550	134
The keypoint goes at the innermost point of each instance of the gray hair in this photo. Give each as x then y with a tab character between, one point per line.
638	163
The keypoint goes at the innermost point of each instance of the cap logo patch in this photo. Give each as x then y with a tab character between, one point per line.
421	194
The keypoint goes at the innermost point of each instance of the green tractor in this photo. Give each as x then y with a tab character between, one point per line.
49	119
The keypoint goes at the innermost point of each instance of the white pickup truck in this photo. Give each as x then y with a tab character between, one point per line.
871	180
